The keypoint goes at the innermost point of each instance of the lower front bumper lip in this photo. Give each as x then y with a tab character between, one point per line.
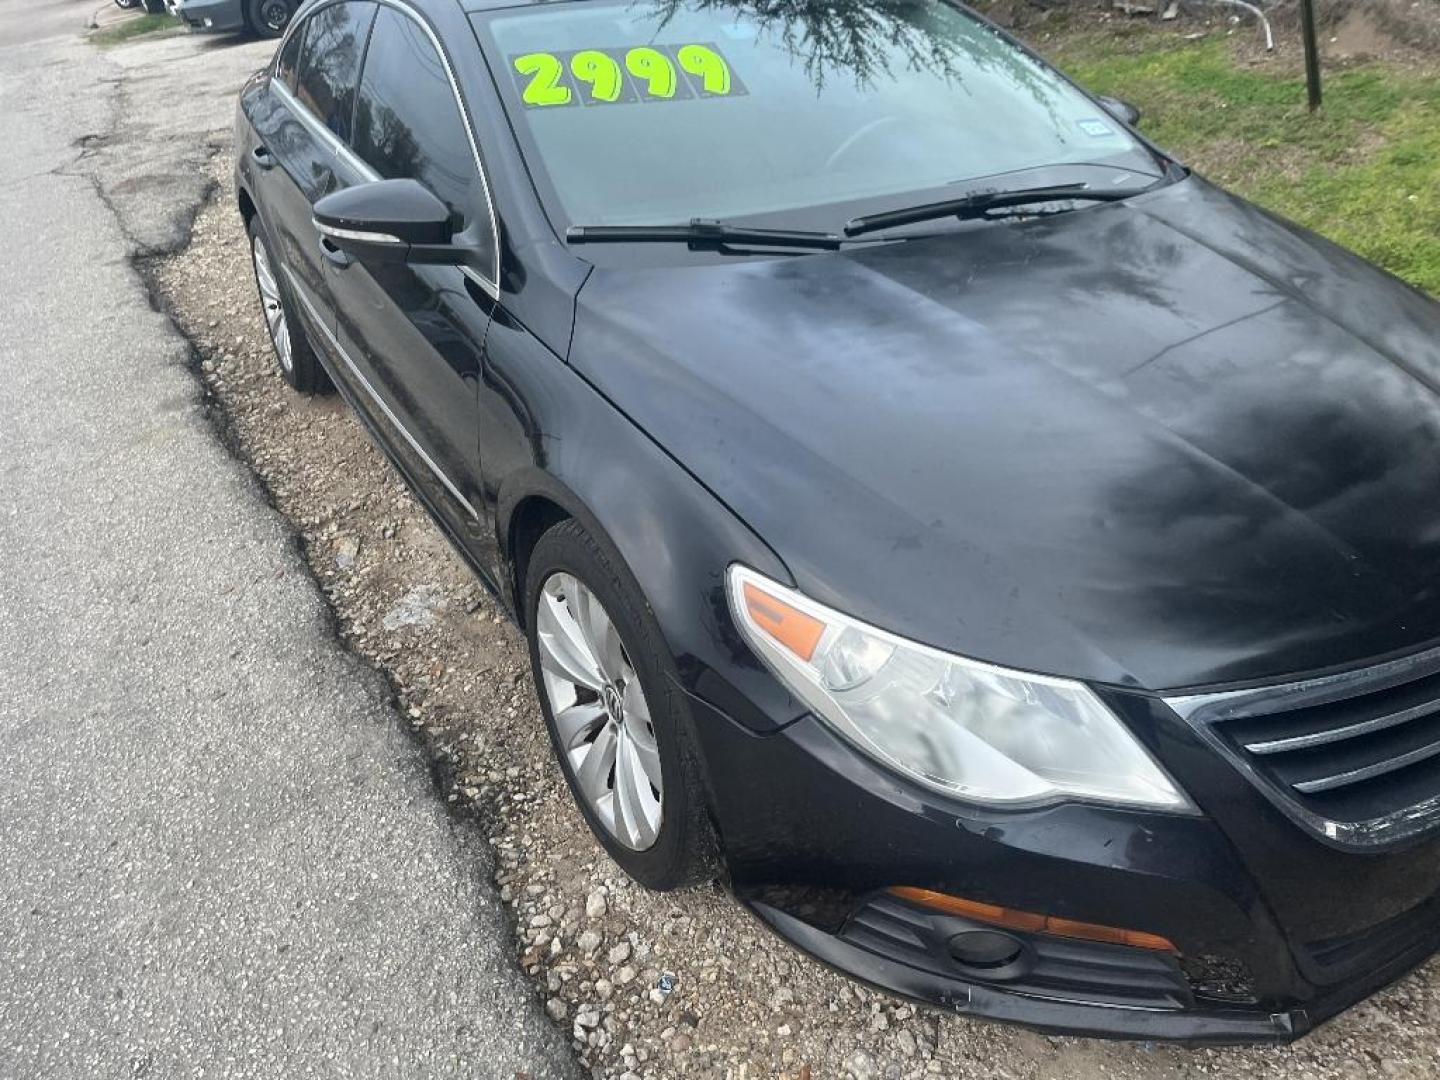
1209	1026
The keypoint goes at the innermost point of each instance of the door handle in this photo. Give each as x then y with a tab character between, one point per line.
334	254
262	157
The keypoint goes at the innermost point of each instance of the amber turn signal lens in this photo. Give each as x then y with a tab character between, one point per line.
1030	921
789	626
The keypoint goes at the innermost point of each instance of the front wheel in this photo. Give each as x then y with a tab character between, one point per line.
268	18
293	354
617	720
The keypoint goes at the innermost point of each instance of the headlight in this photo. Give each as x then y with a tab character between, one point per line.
968	729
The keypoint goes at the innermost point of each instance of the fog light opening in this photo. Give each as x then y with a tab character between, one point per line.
1031	922
985	950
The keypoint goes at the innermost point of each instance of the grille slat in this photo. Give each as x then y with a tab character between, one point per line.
1367	772
1356	756
1340	734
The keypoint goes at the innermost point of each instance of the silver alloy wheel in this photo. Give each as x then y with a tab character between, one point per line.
600	711
270	302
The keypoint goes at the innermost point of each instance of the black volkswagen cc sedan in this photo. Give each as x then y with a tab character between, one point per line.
1012	561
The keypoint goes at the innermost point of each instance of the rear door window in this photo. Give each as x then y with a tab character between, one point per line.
408	122
335	39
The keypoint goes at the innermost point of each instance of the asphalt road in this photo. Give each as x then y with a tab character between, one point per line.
219	853
23	22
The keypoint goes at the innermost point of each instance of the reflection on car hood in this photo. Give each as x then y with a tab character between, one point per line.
1165	443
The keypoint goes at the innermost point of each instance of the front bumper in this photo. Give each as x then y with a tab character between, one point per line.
915	977
1054	1015
1275	933
209	16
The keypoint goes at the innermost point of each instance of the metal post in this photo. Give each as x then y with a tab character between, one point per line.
1312	53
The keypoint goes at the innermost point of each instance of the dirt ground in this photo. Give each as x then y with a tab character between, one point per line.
596	946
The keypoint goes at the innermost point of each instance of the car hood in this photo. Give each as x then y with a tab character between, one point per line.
1165	443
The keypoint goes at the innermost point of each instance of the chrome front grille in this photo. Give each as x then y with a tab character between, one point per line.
1355	757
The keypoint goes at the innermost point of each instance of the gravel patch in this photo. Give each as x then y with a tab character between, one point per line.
645	985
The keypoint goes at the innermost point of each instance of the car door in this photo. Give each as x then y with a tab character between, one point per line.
313	94
414	334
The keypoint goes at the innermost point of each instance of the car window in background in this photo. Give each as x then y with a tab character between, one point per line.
290	58
330	63
665	111
407	121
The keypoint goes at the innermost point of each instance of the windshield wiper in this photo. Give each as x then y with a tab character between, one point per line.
982	202
701	232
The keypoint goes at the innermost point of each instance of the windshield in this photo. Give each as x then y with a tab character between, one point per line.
668	110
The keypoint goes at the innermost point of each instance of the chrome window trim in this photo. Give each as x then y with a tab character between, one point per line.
313	122
491	286
375	396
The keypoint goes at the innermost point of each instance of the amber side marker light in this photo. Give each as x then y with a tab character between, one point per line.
791	627
1029	921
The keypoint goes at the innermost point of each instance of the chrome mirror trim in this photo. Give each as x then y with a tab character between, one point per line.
362	236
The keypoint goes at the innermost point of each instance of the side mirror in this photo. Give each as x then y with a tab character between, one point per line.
1122	110
389	221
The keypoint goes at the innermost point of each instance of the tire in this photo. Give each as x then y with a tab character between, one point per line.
293	355
681	849
268	18
126	5
153	7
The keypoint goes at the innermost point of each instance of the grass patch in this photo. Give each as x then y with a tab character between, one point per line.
1364	171
132	28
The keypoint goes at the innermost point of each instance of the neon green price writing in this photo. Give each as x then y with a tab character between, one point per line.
624	76
545	73
655	68
709	65
600	71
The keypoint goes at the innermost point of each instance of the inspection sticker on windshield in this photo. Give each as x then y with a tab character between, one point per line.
624	76
1097	128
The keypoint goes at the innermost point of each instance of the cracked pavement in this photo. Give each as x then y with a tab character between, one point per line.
221	852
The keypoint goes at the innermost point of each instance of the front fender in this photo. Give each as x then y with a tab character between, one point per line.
549	435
